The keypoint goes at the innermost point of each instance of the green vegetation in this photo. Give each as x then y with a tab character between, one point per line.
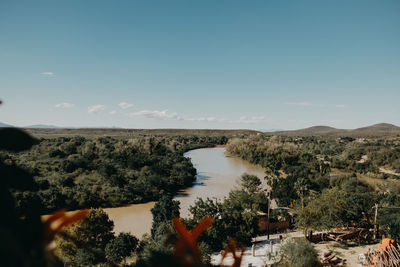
132	133
85	242
324	178
163	237
320	177
78	172
235	218
92	242
163	212
297	252
121	247
286	163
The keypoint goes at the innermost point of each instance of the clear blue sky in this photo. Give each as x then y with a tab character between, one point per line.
200	64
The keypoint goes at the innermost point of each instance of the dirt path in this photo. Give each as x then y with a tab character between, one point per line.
389	171
349	253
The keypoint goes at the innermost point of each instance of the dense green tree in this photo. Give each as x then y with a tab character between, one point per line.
96	230
302	174
234	218
120	247
163	211
86	241
298	252
302	188
388	218
215	235
325	211
106	171
161	243
85	257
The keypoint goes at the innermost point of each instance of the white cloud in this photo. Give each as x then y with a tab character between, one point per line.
340	106
113	112
202	119
96	108
47	73
304	104
64	105
156	114
301	104
165	115
211	119
245	119
125	105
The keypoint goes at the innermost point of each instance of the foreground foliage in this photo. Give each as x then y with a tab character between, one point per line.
26	239
92	242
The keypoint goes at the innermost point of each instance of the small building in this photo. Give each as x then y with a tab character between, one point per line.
273	226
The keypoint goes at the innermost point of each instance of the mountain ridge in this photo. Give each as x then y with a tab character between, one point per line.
42	126
5	125
379	129
371	130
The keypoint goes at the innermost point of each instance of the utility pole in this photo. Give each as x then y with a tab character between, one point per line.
376	217
375	220
269	200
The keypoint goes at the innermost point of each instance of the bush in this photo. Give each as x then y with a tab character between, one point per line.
298	252
121	247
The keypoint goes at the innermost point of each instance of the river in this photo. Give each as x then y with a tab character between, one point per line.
217	174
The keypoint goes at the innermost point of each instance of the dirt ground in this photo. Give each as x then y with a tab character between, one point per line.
350	253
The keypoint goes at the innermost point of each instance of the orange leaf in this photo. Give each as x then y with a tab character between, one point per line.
187	240
232	248
60	219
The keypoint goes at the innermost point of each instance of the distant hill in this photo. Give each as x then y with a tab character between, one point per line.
53	132
314	130
376	130
45	126
39	126
269	130
380	127
42	126
5	125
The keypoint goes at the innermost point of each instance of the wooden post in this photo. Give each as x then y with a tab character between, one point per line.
269	200
375	220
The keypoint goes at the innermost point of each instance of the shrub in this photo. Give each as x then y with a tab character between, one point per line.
298	252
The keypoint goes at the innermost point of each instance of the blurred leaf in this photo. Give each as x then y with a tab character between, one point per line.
14	139
17	178
188	240
59	220
233	249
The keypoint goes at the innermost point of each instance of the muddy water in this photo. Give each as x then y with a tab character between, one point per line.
216	175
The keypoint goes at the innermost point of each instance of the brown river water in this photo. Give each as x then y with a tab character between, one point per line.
217	174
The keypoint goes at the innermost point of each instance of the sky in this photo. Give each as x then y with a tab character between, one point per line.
200	64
